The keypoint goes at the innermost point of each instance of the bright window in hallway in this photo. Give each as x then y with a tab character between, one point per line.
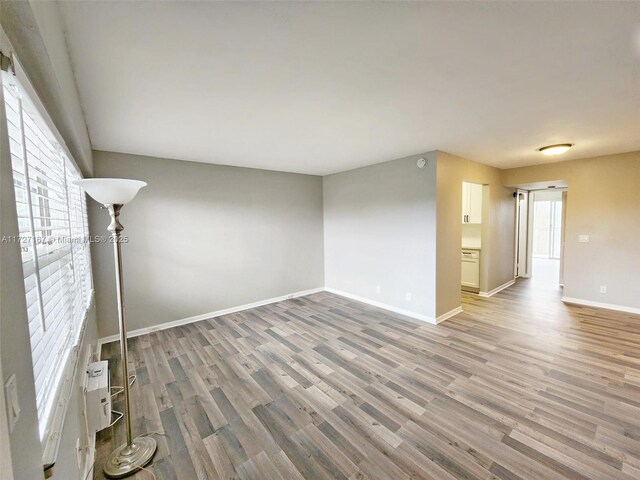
547	225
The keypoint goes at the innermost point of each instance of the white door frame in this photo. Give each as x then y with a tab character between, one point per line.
521	264
563	236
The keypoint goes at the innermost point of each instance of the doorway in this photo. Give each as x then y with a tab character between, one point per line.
473	242
547	207
521	264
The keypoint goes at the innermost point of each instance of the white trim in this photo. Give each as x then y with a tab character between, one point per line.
55	424
497	289
449	314
86	463
206	316
607	306
384	306
247	306
6	465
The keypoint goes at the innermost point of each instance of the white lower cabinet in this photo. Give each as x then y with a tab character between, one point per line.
470	269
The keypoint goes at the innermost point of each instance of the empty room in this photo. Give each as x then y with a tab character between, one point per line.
312	240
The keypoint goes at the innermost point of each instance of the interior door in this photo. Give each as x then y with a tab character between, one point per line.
522	225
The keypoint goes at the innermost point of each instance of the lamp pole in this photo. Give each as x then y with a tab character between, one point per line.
113	193
135	453
115	227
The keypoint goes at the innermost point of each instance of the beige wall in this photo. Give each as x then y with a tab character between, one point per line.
206	237
603	198
498	219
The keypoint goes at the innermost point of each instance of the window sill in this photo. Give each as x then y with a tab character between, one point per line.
53	436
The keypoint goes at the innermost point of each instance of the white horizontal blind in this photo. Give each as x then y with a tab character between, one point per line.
80	247
55	251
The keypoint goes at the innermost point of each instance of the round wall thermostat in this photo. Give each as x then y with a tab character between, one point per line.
421	163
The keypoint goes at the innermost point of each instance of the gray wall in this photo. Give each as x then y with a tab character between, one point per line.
380	230
602	202
206	237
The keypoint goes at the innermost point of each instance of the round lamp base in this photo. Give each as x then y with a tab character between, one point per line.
125	460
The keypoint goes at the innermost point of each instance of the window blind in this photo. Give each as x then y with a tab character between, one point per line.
56	263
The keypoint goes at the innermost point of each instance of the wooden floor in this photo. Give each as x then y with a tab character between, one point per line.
319	387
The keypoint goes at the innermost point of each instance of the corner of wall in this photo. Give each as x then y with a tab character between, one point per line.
365	211
36	33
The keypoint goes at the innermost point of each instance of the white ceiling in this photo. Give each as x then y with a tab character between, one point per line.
324	87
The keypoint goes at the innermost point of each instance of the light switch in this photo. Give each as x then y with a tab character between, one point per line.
13	406
583	238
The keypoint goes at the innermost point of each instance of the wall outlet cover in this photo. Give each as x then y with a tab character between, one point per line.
583	238
603	289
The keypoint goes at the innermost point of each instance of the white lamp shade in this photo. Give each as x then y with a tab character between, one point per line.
111	191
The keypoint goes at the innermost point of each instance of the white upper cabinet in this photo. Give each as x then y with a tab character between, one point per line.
471	202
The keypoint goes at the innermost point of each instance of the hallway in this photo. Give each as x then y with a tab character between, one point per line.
546	273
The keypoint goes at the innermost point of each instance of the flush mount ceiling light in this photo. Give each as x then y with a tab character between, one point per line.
556	149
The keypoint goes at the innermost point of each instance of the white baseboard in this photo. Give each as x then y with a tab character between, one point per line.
206	316
449	314
607	306
384	306
497	289
247	306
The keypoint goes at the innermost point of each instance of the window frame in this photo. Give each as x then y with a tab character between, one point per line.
75	320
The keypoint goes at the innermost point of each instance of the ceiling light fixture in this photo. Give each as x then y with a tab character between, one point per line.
556	149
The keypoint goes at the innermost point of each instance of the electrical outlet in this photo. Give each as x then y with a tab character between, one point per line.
583	238
378	289
603	289
408	296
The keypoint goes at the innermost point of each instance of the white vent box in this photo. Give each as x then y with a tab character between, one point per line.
98	399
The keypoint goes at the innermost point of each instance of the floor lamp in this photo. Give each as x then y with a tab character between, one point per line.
113	193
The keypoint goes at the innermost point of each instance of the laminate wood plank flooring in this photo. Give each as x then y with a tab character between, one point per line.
518	386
